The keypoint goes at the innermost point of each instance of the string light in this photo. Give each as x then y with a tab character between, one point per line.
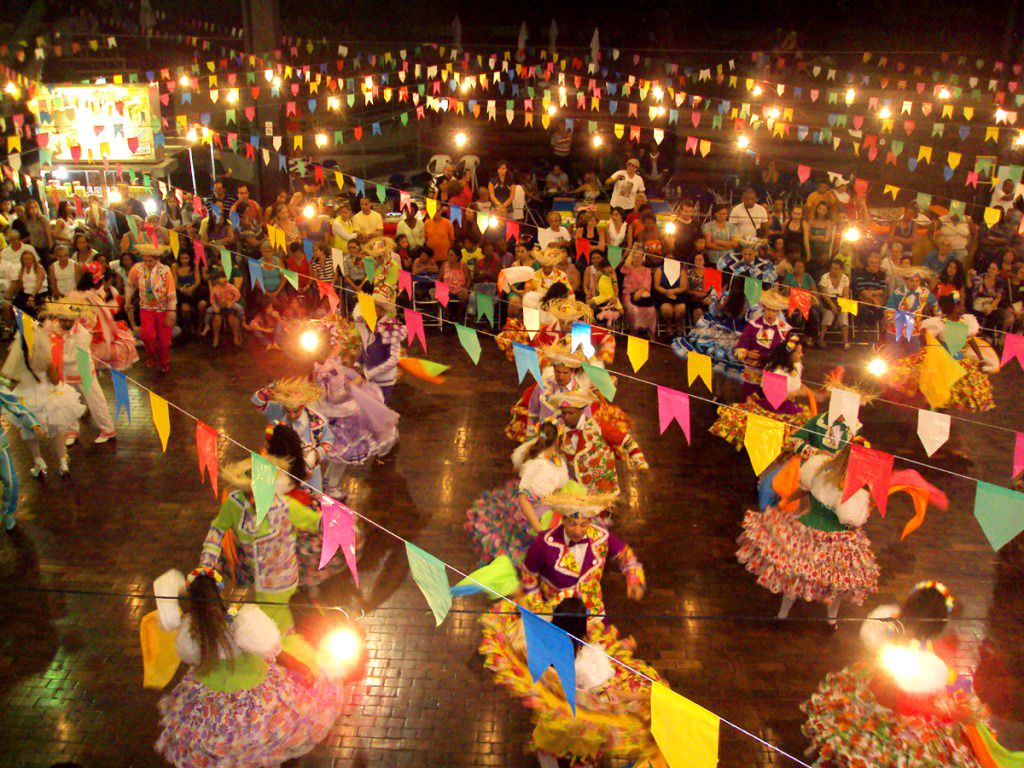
552	110
150	205
183	81
461	139
232	96
598	140
851	94
884	113
309	211
333	103
878	367
944	93
757	90
852	234
321	139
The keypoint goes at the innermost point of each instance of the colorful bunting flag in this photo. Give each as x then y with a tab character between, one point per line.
430	576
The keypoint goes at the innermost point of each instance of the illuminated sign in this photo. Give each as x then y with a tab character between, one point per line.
97	123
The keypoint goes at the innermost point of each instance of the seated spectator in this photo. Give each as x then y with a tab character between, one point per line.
297	262
439	234
554	235
244	203
367	224
404	252
952	279
721	235
869	286
250	232
617	231
470	255
266	327
321	267
81	250
961	232
29	284
571	272
697	297
800	278
514	292
937	260
649	237
467	231
671	298
588	228
269	266
424	273
904	229
687	230
834	284
485	274
413	229
215	229
459	280
557	181
353	269
604	296
224	303
590	188
64	273
987	294
188	282
776	254
637	299
1013	321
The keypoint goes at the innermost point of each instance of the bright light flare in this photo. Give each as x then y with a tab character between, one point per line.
150	205
321	139
597	141
341	651
658	93
944	93
232	96
333	103
309	211
11	89
878	367
183	81
914	670
884	113
757	90
774	113
268	75
852	234
461	139
851	94
743	142
192	136
670	228
1000	115
552	110
309	341
276	82
465	85
114	196
60	172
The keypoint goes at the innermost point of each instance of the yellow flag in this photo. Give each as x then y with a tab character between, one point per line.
159	656
636	351
925	154
431	207
698	365
947	111
705	147
368	309
161	417
173	237
939	372
969	112
297	141
28	329
992	215
686	733
953	159
14	144
849	305
992	133
340	180
891	190
763	441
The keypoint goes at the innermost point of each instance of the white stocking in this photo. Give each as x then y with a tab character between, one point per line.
833	610
787	603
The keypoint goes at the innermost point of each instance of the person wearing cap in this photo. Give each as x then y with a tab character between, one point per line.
749	217
762	334
69	320
154	283
626	184
288	401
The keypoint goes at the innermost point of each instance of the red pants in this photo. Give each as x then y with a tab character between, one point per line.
156	335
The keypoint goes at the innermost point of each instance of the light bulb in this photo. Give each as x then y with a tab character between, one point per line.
670	228
774	113
552	109
598	140
944	93
460	139
192	136
309	211
466	85
851	235
12	89
150	206
878	367
114	196
340	651
232	96
321	139
885	113
277	81
60	172
851	94
309	340
657	93
368	83
757	90
333	102
1000	115
743	142
183	81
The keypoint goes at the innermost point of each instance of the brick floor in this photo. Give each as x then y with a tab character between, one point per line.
70	668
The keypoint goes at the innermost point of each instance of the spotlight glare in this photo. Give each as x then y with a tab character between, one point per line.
232	96
597	141
333	102
276	81
885	113
60	172
658	93
340	651
851	94
321	139
150	206
670	228
466	85
114	196
743	142
552	110
460	139
1000	115
878	367
192	136
183	81
309	341
944	93
757	90
852	234
309	211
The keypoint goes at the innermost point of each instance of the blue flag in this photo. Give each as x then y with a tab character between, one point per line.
549	646
526	360
256	274
120	394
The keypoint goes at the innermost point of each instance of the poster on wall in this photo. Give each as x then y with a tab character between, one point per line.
98	123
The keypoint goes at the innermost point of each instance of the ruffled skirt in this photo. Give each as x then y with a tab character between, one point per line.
849	729
790	558
120	353
497	525
275	721
973	392
612	721
731	424
57	406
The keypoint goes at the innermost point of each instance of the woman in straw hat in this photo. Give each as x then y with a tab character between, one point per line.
764	332
611	724
70	320
811	545
36	382
505	521
238	704
972	391
257	553
158	304
287	401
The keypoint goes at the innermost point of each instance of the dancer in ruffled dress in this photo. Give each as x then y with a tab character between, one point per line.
35	381
907	707
236	705
970	392
17	412
785	360
289	401
506	521
611	724
113	342
381	348
715	334
814	550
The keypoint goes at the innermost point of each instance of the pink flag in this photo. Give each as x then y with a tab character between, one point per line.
206	447
200	250
1013	347
339	531
1018	455
414	326
405	282
441	292
872	468
674	405
803	172
775	387
511	230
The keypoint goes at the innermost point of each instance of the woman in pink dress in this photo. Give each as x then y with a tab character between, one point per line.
637	298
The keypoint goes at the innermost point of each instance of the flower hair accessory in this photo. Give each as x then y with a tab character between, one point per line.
939	587
955	296
95	270
205	570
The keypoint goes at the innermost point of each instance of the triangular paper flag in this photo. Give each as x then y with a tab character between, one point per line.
601	380
673	406
339	532
637	350
470	342
526	360
932	429
686	733
497	578
206	447
161	418
550	646
870	467
368	309
763	441
775	387
843	402
1000	513
430	576
698	366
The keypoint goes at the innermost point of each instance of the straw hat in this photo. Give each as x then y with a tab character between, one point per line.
576	399
378	246
574	500
834	380
915	270
67	308
238	474
295	392
549	257
558	354
772	299
148	249
569	309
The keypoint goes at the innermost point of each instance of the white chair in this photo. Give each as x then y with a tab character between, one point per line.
437	164
470	163
429	308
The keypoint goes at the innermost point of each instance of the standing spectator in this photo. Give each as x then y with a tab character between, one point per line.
793	232
904	229
834	284
220	198
655	168
637	299
961	233
172	216
225	309
413	228
561	142
821	194
468	233
499	191
749	218
554	235
63	226
368	224
64	273
439	234
40	233
342	227
869	286
626	185
721	235
1004	195
649	237
776	219
818	231
458	278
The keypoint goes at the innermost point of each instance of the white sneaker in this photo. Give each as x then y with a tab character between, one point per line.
63	469
70	439
105	437
38	468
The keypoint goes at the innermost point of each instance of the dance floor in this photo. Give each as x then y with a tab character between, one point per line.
70	664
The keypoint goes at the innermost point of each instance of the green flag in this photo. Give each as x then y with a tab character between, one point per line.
84	369
430	576
470	342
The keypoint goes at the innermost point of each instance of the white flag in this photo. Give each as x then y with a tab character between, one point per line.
933	429
846	404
